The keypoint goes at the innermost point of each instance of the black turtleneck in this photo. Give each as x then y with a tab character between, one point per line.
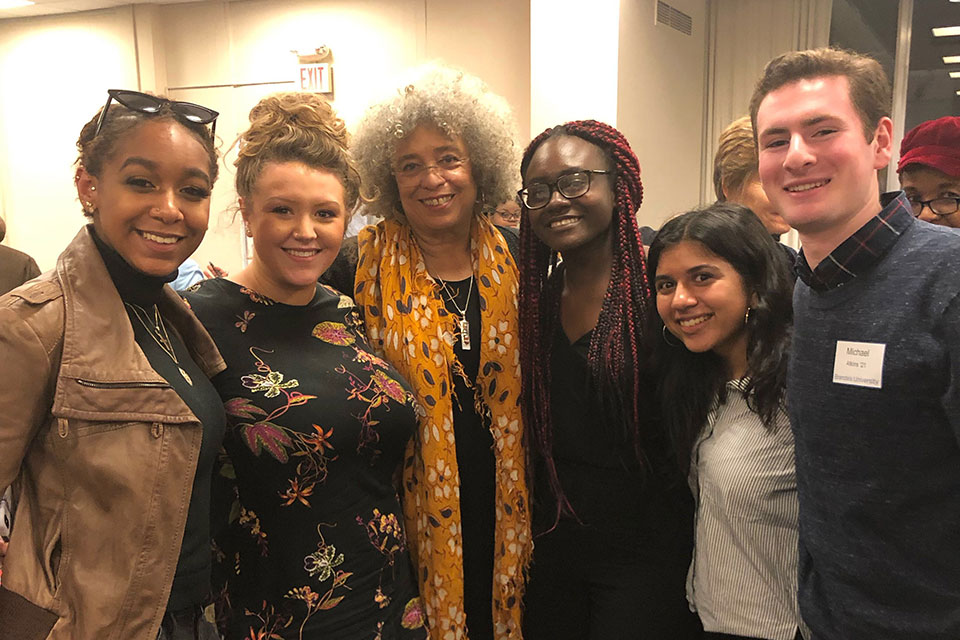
191	584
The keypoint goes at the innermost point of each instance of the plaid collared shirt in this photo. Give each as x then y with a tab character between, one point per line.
863	249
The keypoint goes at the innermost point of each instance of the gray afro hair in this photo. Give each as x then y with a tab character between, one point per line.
458	104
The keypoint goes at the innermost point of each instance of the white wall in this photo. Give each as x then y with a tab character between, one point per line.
660	105
573	61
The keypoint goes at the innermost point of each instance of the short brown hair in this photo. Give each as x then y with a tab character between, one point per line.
736	158
870	90
296	127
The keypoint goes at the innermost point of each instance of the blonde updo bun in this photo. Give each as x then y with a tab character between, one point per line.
296	127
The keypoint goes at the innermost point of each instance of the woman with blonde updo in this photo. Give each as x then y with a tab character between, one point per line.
316	423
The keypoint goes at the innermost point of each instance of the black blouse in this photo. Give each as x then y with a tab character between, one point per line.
317	428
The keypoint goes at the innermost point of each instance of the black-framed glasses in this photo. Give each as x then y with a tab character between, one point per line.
570	185
938	206
145	103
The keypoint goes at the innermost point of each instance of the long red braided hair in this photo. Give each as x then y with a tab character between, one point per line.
615	346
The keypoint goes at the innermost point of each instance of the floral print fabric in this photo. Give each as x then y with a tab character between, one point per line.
406	322
317	426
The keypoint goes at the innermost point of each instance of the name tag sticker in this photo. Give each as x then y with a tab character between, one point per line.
859	364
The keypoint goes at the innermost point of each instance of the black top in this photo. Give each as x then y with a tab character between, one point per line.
598	469
317	428
191	583
477	465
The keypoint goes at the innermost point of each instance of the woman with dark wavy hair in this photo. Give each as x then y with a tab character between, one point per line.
611	515
723	293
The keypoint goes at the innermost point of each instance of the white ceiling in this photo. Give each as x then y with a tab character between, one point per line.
48	7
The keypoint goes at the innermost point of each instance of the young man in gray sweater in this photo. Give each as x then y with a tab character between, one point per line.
874	380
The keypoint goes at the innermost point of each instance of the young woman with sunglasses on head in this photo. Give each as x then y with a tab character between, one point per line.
110	424
611	514
723	290
317	424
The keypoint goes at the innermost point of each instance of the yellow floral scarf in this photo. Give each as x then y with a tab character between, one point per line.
406	321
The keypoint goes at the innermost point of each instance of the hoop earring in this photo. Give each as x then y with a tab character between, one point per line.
663	330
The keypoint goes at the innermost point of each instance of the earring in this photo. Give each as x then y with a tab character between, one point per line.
93	187
87	207
663	330
246	229
746	317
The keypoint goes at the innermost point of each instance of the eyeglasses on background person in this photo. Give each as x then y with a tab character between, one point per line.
146	103
938	206
571	185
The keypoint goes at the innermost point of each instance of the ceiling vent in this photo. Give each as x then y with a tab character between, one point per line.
673	18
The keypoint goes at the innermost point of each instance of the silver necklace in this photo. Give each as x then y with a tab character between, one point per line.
462	322
159	334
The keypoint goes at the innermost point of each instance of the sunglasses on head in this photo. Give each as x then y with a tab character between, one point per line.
145	103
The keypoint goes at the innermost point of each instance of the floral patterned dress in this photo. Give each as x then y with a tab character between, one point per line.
316	430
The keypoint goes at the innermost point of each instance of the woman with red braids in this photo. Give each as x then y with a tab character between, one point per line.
611	512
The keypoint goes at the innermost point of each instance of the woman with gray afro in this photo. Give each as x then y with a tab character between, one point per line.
438	286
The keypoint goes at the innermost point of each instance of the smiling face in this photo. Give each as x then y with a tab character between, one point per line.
579	223
923	183
151	200
296	215
436	186
816	166
702	300
752	196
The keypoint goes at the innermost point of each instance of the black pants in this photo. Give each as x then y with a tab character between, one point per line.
594	585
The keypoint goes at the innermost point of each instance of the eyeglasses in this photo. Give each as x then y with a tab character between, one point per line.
145	103
412	171
938	206
572	185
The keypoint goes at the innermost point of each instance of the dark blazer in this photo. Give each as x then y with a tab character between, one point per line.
16	268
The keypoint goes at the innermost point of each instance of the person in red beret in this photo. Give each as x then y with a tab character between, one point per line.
929	170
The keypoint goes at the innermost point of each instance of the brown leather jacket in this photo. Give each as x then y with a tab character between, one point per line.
101	451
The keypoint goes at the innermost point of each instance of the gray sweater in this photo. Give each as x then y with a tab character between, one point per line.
878	469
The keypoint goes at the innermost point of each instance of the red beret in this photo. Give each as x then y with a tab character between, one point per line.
934	143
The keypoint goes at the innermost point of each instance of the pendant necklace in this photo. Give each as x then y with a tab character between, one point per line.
462	322
159	334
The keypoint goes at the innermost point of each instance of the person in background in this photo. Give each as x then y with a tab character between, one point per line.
929	169
735	179
16	267
611	512
438	286
507	214
317	424
110	425
723	293
873	384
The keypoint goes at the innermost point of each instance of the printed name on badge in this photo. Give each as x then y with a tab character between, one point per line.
859	364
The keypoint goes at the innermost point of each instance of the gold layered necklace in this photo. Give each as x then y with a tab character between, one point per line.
462	322
158	331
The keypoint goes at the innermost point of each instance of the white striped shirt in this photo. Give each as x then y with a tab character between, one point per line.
743	577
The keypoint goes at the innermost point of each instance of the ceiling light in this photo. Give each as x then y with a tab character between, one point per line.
941	32
951	59
13	4
955	74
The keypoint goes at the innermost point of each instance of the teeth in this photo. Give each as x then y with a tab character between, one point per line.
563	222
433	202
692	322
305	253
807	187
159	239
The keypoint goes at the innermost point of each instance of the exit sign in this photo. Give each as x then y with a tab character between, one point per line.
315	78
